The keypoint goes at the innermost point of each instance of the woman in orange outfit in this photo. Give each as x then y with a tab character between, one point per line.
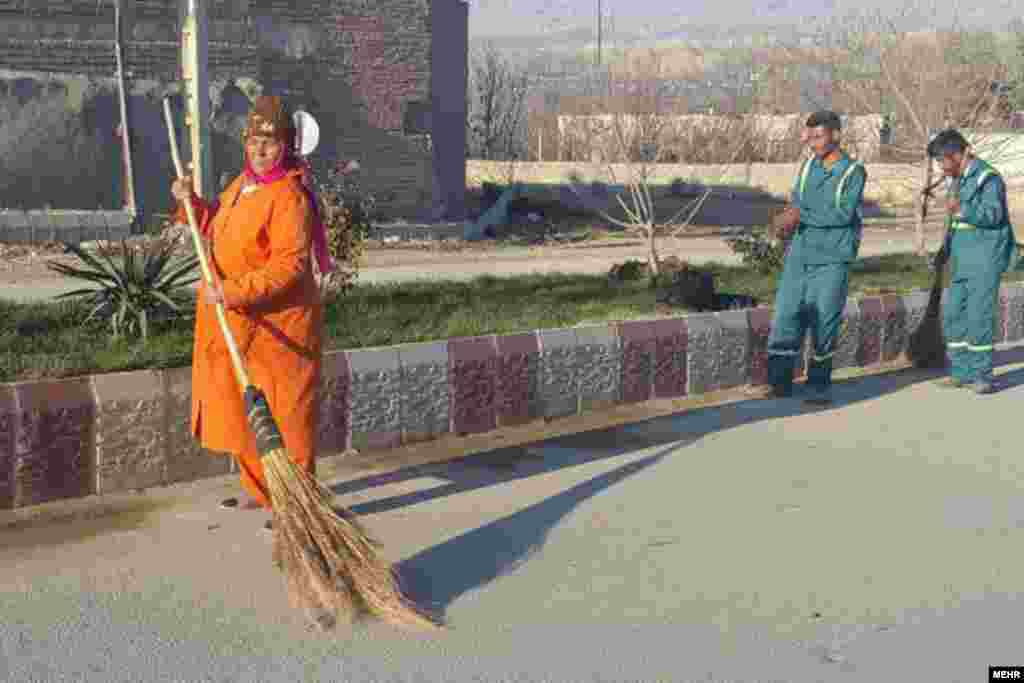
260	236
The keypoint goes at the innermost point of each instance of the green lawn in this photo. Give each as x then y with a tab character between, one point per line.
394	314
51	340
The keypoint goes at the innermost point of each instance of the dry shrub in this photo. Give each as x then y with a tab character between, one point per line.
713	141
347	211
683	139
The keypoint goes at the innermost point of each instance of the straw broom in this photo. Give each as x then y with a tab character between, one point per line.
331	564
926	347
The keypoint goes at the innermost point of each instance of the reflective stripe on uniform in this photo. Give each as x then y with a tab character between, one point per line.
846	175
774	352
957	345
818	359
957	224
804	172
979	348
842	181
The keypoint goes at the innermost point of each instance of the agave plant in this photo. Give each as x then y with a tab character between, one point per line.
133	287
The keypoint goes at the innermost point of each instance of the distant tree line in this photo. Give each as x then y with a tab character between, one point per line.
864	65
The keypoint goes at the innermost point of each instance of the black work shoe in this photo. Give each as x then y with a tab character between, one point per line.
819	397
769	391
247	504
983	387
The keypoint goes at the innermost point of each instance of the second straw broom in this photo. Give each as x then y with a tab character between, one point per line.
331	564
926	346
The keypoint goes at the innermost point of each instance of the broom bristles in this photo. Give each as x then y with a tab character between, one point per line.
332	564
926	347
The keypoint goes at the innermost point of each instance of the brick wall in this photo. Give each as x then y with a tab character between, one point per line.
363	70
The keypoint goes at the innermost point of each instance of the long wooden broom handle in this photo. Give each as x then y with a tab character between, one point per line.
236	357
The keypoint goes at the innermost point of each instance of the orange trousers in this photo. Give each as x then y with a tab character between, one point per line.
299	437
251	472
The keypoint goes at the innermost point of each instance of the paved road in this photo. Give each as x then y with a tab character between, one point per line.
879	540
512	261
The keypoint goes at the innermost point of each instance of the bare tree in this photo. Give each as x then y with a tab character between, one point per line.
925	80
497	106
1014	56
630	137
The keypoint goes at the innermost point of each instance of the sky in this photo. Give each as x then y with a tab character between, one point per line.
534	17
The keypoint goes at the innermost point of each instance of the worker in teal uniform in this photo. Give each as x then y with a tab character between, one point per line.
979	245
825	222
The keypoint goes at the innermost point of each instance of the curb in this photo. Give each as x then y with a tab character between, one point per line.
113	433
351	464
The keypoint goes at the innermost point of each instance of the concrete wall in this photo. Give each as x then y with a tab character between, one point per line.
1004	150
363	70
888	184
773	134
122	431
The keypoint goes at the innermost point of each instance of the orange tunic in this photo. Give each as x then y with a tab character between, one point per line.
261	250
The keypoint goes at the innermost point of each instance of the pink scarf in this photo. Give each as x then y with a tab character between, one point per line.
280	169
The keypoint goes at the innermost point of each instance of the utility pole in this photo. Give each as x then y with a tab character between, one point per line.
194	68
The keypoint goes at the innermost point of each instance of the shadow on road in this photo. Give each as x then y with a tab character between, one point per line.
439	575
436	577
1013	378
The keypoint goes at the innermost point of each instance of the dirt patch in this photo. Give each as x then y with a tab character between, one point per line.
50	528
20	264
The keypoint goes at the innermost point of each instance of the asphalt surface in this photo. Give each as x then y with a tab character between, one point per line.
876	540
510	261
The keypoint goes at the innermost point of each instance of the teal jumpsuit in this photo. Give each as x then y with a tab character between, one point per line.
979	243
815	276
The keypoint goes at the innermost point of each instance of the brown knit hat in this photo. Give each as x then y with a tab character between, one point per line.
269	116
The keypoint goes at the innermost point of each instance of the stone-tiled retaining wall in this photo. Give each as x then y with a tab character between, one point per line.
124	431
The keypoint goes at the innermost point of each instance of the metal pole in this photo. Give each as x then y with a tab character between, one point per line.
599	32
129	190
194	61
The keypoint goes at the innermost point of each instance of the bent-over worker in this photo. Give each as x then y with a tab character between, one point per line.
979	245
